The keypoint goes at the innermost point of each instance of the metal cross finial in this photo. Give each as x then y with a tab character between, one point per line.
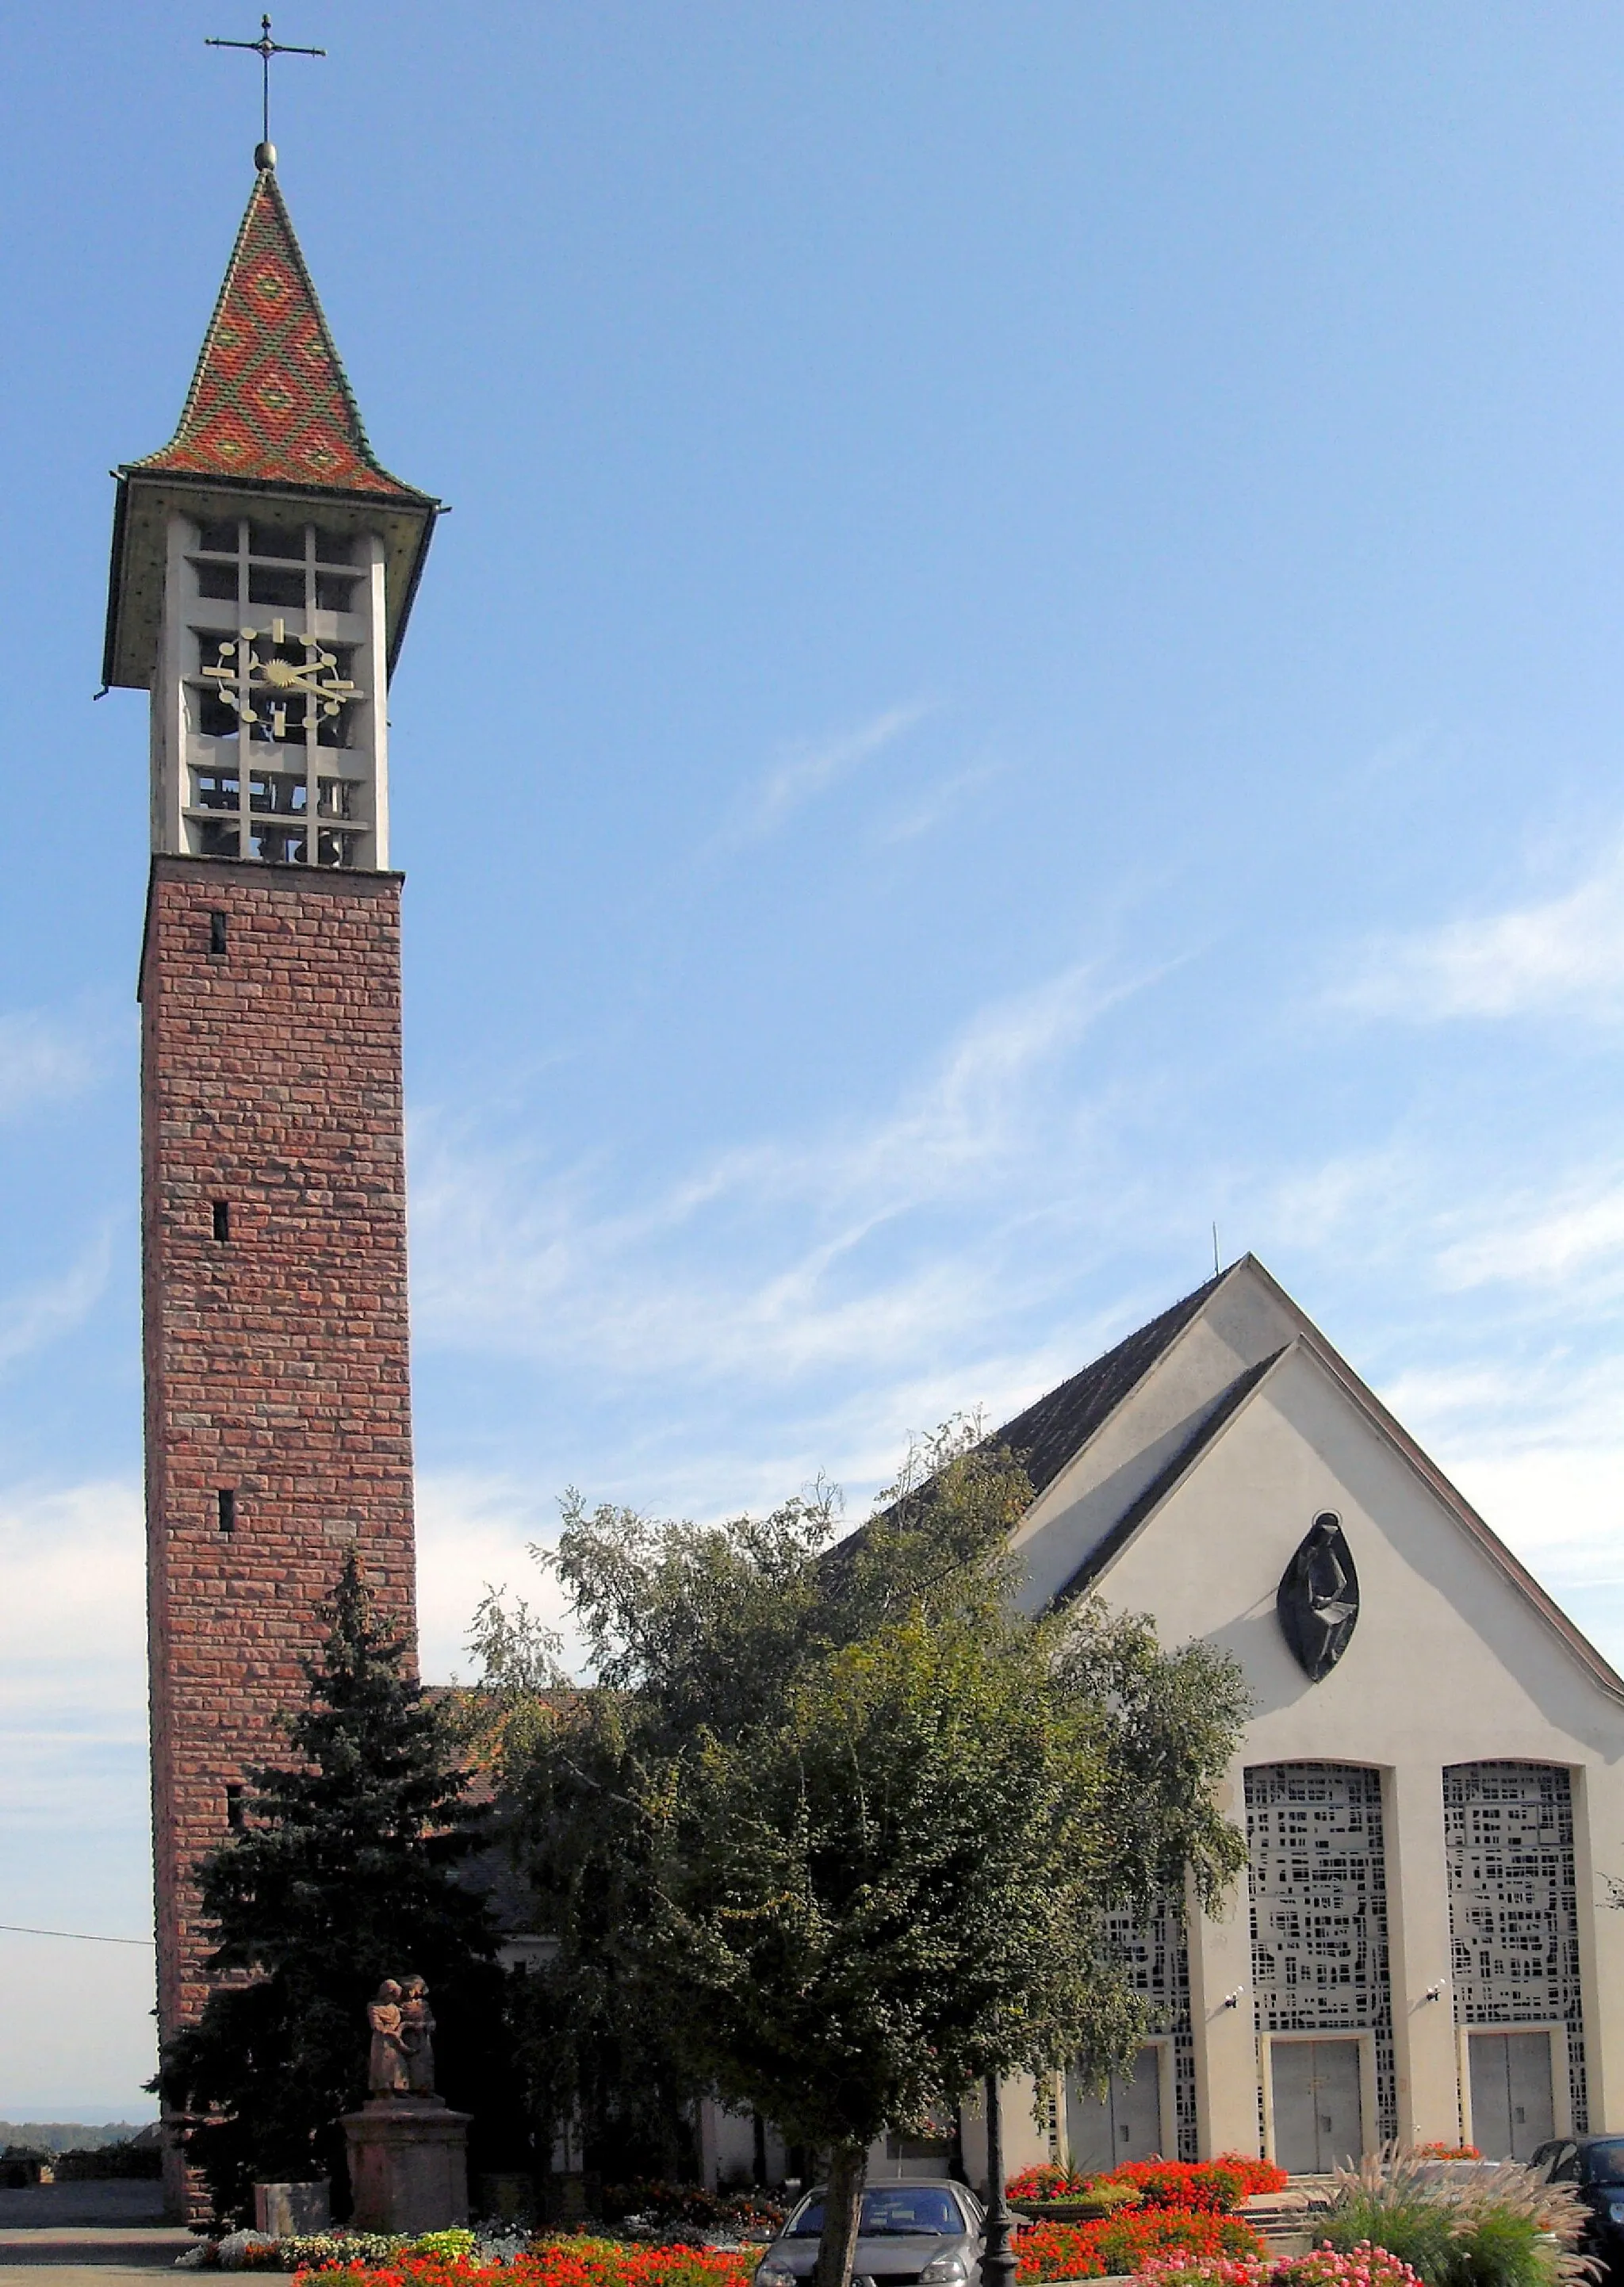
265	47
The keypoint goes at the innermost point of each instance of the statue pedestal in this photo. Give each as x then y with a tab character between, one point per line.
288	2211
409	2165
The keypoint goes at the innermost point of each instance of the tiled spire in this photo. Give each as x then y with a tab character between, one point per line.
269	402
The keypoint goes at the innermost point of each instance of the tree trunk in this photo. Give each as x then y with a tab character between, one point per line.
842	2204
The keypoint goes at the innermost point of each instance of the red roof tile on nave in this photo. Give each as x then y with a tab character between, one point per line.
269	402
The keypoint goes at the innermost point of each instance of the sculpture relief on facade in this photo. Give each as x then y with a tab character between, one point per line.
1319	1597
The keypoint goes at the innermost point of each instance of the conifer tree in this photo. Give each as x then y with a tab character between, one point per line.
343	1873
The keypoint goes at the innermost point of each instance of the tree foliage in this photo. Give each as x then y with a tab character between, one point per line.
343	1873
838	1828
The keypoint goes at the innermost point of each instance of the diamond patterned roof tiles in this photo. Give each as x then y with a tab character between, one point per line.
269	402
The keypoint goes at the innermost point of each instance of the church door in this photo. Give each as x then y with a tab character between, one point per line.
1319	2123
1125	2124
1512	2108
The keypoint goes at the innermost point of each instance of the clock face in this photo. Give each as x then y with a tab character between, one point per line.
259	681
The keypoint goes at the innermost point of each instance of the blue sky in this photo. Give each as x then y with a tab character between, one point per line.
1026	659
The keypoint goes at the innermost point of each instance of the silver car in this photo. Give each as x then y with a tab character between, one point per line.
921	2232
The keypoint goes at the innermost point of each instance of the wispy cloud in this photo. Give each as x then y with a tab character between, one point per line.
73	1630
48	1058
779	1256
1354	1197
32	1316
1536	1447
810	767
1566	1239
73	1797
957	1127
475	1532
1454	1223
1561	953
932	808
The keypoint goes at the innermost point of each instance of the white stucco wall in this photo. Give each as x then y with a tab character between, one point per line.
1451	1662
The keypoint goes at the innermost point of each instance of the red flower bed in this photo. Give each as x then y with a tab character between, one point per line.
1045	2250
1050	2183
1201	2187
577	2262
1127	2243
1256	2175
1191	2186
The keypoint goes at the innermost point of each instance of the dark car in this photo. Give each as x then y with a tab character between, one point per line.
922	2232
1595	2167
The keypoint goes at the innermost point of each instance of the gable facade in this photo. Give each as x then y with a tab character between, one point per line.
1424	1945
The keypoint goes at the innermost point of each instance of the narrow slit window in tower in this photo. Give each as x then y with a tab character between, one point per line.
234	1808
222	1218
217	932
225	1501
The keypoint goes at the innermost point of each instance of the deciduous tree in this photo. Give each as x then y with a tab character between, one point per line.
859	1814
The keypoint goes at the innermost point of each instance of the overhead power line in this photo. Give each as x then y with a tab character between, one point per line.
85	1937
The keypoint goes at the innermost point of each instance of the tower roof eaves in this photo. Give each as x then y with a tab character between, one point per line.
405	522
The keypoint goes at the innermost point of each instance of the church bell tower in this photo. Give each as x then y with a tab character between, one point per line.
264	566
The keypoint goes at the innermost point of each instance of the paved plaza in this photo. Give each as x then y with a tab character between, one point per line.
86	2235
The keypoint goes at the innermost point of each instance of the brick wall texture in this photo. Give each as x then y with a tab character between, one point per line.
276	1357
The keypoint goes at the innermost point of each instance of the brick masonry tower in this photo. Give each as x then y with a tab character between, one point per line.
264	565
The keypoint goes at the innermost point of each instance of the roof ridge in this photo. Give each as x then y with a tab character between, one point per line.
269	400
1054	1428
1230	1401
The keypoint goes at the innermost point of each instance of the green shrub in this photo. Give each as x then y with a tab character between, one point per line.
19	2164
1469	2226
110	2163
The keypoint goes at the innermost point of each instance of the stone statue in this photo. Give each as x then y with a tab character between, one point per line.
388	2064
407	2150
416	2035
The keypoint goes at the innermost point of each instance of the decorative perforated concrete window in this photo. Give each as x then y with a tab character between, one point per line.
1514	1922
1157	1955
1320	1961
